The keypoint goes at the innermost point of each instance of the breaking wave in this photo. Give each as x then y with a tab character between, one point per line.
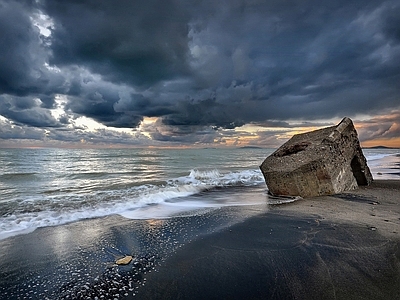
137	202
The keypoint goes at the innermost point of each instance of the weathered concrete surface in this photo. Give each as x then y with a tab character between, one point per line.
321	162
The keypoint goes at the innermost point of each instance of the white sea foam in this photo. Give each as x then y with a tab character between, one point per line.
204	175
383	163
139	202
377	156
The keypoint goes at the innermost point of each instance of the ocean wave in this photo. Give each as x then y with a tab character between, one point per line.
215	178
207	174
377	156
64	211
144	201
17	176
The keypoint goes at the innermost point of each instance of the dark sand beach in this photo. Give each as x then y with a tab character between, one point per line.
344	246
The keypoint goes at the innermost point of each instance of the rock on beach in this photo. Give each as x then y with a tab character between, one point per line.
321	162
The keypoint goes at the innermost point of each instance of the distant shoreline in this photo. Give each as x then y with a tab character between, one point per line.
381	147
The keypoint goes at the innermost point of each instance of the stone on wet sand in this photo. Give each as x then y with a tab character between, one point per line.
124	261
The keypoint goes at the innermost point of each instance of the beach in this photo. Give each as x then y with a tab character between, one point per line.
198	224
344	246
176	149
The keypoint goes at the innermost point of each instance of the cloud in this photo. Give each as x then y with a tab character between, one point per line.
129	41
391	24
381	127
23	59
201	68
9	131
205	112
25	110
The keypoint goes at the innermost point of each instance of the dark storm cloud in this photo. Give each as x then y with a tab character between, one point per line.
198	65
25	110
19	44
23	55
138	42
392	24
10	131
309	61
256	61
99	100
206	112
141	105
185	134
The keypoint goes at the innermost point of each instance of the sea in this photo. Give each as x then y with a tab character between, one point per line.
68	215
51	187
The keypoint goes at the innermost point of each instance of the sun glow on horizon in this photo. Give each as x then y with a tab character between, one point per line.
392	143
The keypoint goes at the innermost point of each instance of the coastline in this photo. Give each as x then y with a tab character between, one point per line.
344	246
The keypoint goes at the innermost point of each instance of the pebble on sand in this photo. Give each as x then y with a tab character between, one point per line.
124	261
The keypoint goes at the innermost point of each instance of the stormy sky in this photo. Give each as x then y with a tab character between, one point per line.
196	72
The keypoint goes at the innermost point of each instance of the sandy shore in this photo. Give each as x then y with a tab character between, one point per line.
345	246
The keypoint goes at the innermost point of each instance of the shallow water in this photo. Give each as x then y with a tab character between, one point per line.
77	260
48	187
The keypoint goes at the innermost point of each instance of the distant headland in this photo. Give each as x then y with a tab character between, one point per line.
380	147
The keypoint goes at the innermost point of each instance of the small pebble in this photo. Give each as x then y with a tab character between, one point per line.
124	261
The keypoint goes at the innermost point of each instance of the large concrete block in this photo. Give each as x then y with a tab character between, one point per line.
321	162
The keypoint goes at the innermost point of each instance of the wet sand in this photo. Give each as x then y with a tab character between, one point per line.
344	246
